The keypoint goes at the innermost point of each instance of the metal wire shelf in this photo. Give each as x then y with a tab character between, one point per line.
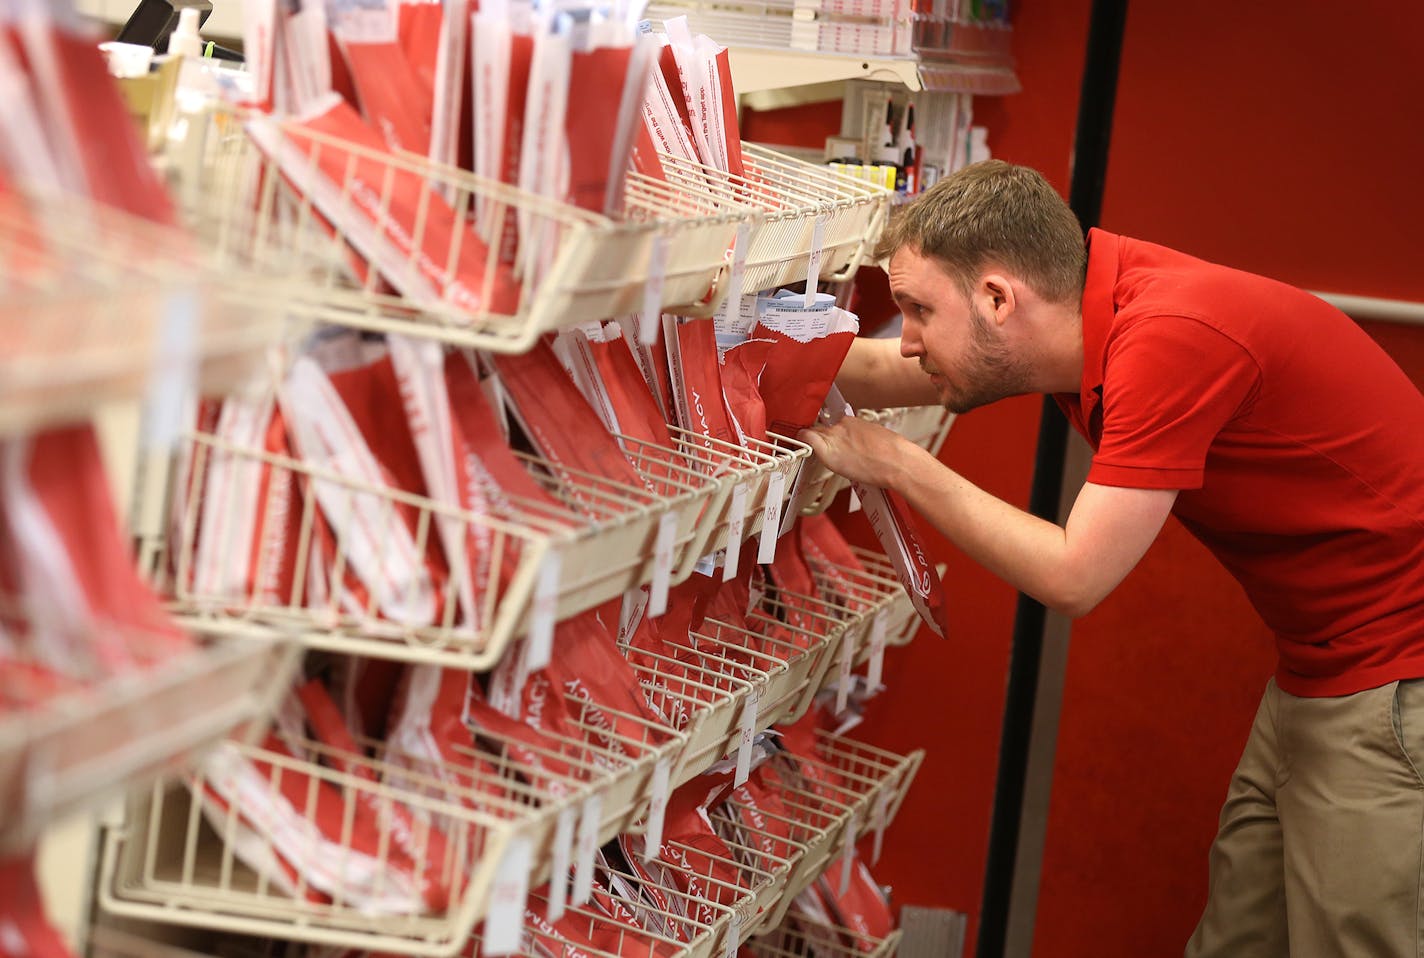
99	305
810	216
394	243
75	750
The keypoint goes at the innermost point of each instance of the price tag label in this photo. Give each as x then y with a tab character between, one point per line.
882	820
848	855
508	896
846	663
771	518
813	263
635	603
563	856
876	669
545	612
749	729
589	821
662	564
657	808
737	520
173	370
734	935
653	292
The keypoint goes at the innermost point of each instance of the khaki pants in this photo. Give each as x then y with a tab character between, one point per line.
1319	851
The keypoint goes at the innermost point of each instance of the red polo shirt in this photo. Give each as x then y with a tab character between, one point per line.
1296	442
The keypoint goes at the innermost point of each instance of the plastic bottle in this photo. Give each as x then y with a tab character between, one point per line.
184	41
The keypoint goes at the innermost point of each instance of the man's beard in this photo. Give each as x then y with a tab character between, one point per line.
989	373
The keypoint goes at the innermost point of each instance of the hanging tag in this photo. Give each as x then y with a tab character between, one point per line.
848	855
876	669
813	263
737	522
653	291
662	564
847	661
771	518
509	893
749	728
545	612
732	305
635	603
559	863
854	502
882	819
589	822
648	328
173	370
734	935
657	808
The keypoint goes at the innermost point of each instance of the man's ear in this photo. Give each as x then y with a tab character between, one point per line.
997	297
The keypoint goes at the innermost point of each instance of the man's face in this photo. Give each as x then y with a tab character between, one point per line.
957	344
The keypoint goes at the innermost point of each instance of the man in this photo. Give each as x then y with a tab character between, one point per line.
1277	432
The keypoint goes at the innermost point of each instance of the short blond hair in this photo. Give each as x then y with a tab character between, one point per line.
994	212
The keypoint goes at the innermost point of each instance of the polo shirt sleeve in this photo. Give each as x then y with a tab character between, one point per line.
1170	385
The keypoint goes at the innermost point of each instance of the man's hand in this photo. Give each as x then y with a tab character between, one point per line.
864	451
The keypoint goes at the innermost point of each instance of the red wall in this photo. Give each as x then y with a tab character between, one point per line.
1286	144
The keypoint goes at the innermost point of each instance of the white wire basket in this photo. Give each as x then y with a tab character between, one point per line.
100	306
395	243
77	750
597	544
800	937
810	216
926	426
420	890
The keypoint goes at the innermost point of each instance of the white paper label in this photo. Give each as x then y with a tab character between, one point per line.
846	663
590	820
813	264
749	727
653	290
771	518
657	808
734	935
882	819
544	614
173	367
848	855
876	669
508	895
737	520
648	327
635	603
563	854
662	564
732	305
854	502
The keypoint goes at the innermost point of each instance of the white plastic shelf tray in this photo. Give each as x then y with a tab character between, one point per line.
82	748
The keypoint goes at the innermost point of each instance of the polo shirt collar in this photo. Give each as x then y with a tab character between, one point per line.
1097	312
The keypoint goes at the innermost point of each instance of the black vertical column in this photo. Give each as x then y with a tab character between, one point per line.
1085	196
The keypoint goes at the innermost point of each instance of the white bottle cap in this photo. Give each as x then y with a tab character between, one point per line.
184	40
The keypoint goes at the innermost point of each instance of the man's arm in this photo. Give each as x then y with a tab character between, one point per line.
875	375
1068	569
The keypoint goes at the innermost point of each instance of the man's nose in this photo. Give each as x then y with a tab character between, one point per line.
910	346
